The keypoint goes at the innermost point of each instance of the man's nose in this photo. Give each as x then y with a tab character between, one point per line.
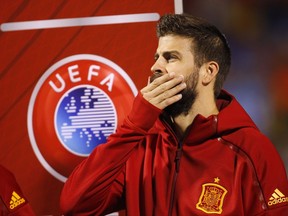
159	66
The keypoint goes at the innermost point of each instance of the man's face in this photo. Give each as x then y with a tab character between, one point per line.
174	55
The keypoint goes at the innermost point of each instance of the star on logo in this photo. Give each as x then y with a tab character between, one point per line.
216	180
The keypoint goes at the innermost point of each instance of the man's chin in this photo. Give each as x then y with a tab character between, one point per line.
183	106
175	109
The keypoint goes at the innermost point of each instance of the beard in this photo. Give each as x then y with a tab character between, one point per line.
189	94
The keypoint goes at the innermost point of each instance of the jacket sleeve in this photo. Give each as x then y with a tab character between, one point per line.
96	186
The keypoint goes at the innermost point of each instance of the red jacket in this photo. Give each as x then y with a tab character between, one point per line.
223	166
12	200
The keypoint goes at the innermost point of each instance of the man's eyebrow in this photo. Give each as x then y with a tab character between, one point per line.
171	52
156	55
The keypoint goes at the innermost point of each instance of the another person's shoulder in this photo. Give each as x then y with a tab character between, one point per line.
12	199
6	175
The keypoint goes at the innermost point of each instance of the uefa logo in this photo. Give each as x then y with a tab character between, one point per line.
76	104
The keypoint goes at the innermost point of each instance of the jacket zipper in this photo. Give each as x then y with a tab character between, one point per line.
177	166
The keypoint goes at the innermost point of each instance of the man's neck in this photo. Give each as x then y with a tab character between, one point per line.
205	108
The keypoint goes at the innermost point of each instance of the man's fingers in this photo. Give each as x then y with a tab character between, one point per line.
157	82
164	90
169	101
168	97
166	86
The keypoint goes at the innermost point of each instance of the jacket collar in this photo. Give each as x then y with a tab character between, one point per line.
230	118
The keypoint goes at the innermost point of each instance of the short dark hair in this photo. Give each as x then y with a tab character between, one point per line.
209	44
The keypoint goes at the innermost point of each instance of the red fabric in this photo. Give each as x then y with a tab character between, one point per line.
226	166
12	200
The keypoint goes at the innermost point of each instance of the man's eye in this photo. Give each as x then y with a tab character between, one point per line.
171	58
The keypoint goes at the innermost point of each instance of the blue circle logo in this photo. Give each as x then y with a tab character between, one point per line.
76	104
84	118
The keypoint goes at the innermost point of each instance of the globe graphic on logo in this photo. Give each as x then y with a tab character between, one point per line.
84	118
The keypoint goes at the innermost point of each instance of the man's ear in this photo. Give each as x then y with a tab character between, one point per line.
210	72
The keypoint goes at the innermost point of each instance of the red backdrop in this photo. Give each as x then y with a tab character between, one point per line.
27	54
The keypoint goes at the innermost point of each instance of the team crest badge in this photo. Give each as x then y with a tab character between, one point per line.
74	107
212	198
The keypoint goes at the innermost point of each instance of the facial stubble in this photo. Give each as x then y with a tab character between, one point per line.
189	94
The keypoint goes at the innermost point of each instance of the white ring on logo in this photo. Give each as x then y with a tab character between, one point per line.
43	78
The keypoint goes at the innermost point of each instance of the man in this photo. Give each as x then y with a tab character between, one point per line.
12	200
187	147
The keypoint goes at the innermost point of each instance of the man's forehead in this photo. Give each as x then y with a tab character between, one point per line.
174	44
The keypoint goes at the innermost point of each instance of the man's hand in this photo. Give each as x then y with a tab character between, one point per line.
164	90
